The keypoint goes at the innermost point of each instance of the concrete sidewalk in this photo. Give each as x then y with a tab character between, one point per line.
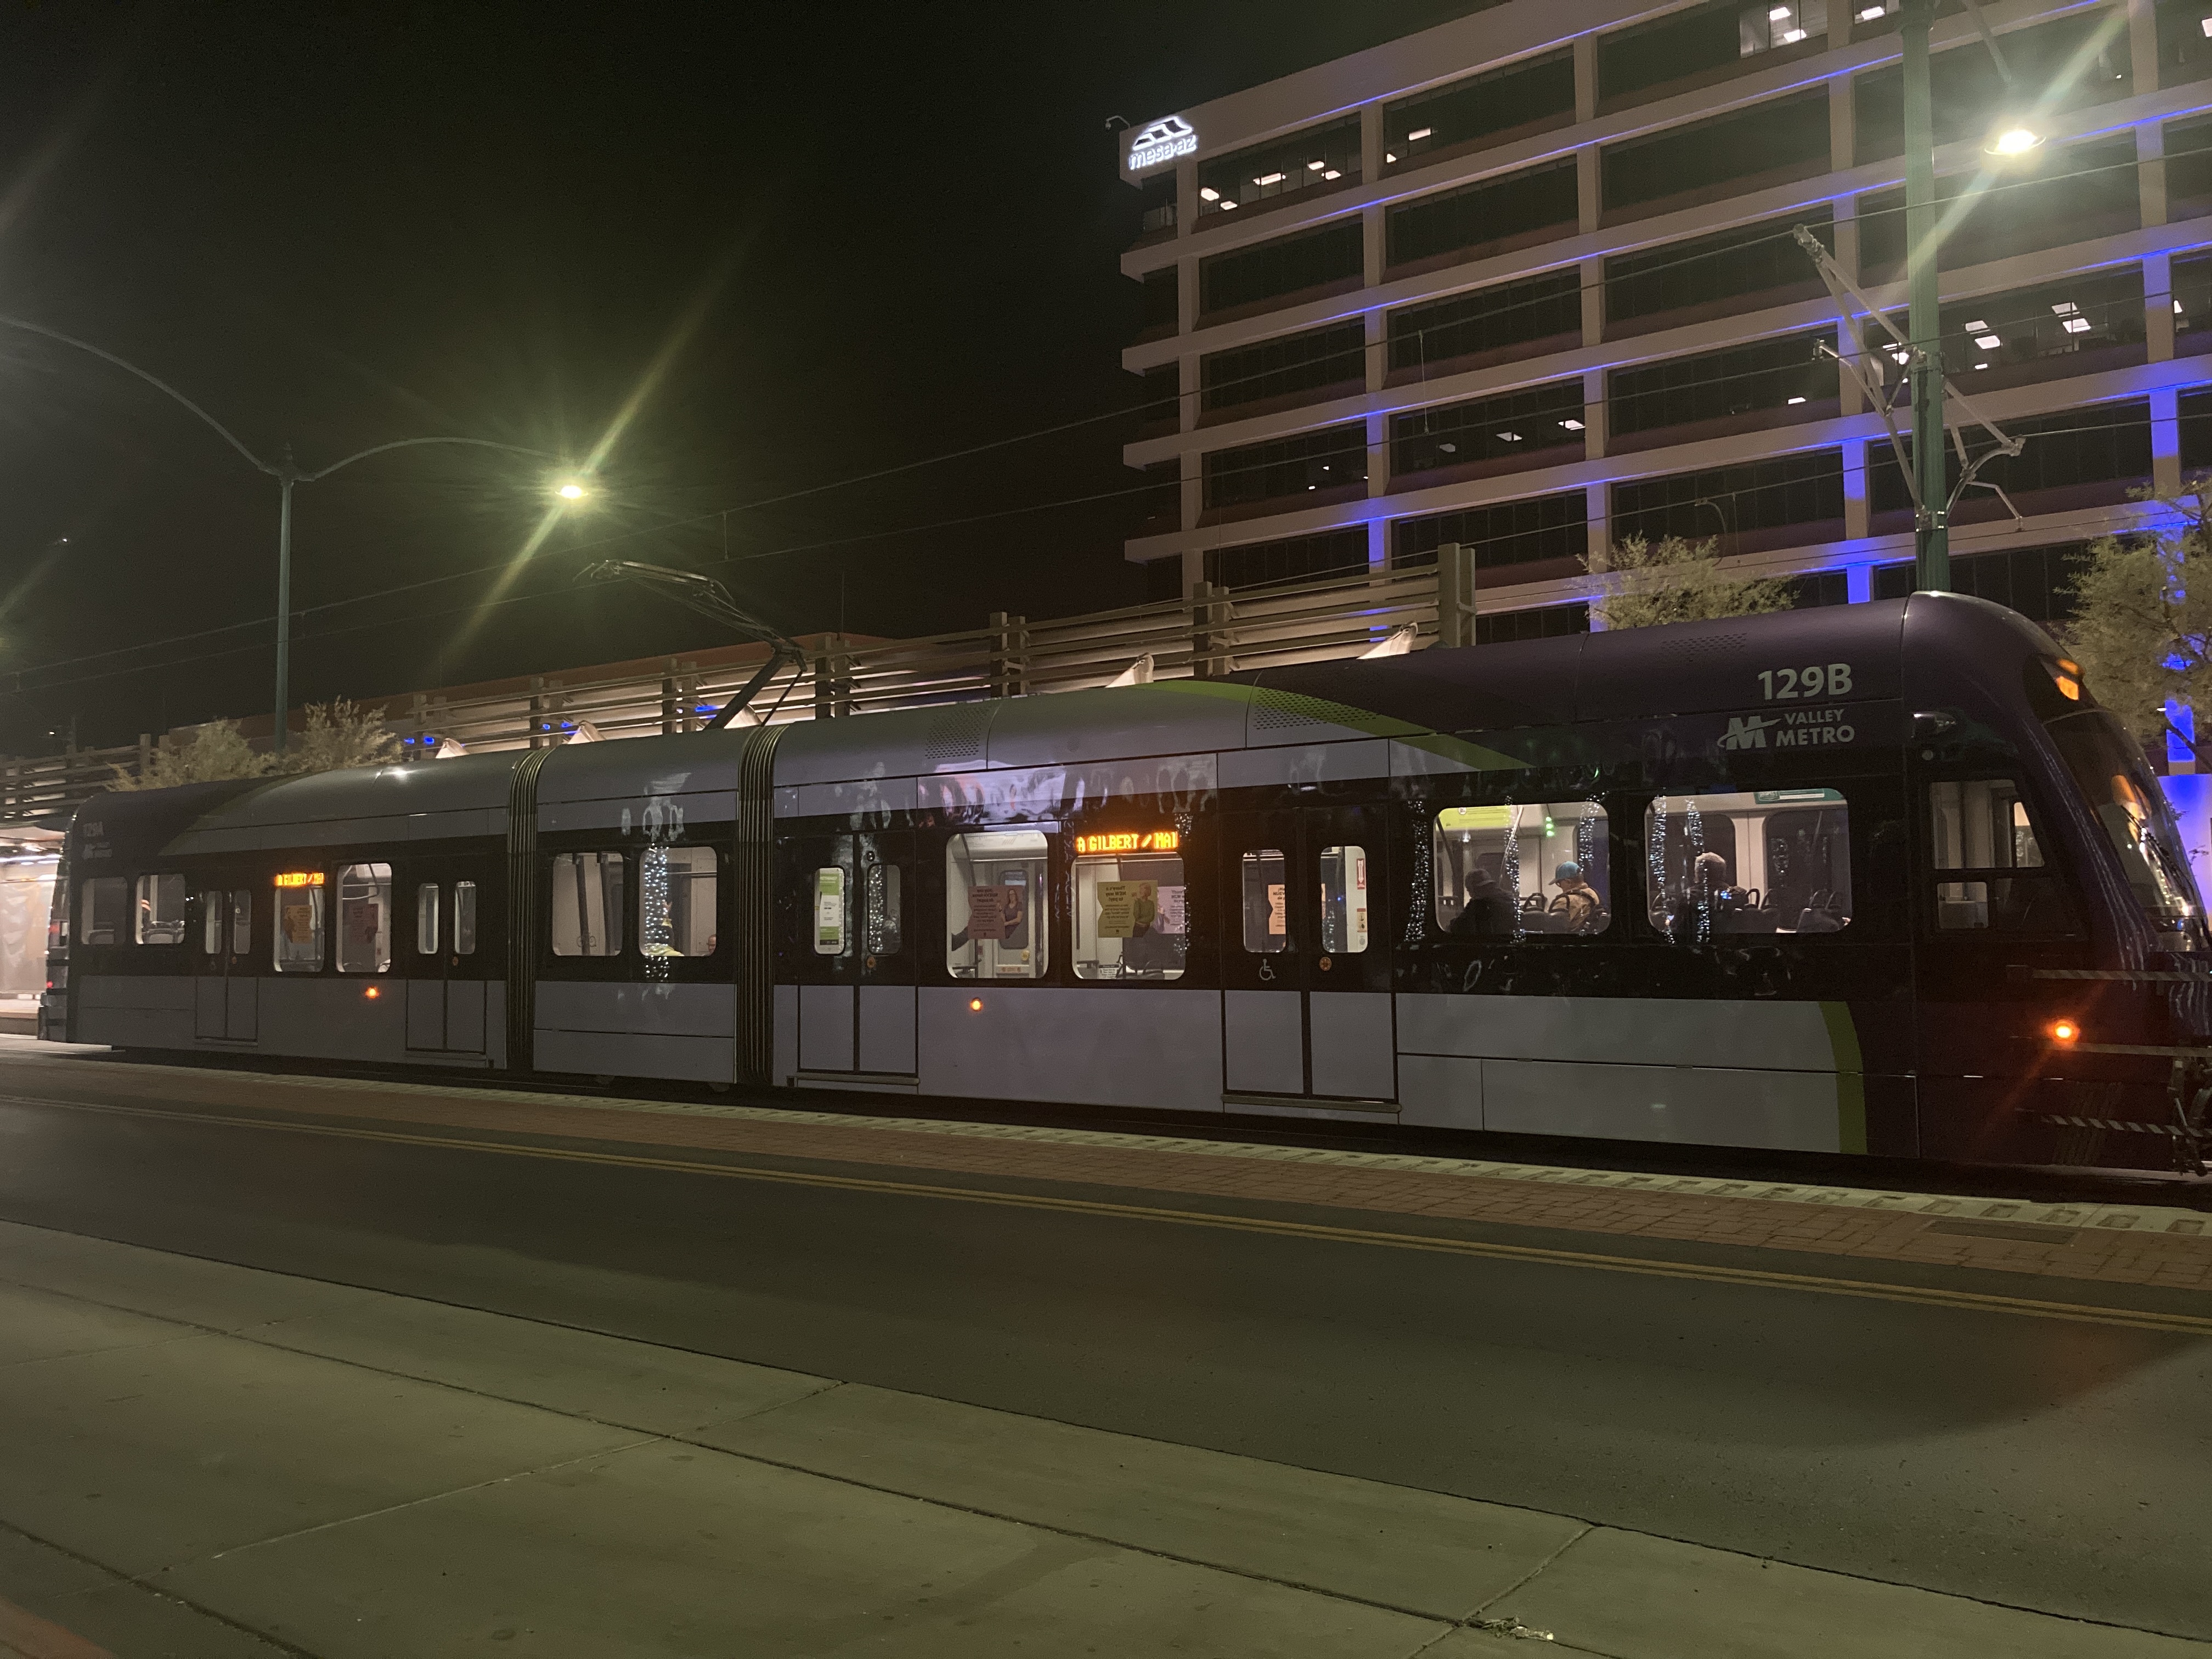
209	1461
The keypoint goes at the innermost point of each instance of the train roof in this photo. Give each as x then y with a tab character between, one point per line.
1919	644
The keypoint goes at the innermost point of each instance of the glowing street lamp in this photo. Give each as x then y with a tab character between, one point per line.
2011	140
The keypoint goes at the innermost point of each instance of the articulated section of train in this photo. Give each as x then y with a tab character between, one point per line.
1877	878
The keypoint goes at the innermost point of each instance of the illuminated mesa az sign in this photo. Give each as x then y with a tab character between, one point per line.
1163	141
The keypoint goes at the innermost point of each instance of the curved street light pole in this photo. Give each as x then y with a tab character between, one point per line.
287	473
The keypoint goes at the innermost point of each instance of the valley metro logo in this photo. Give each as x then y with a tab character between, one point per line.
1748	732
1163	141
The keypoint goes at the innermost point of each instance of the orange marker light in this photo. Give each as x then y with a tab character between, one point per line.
2065	1030
975	1004
371	993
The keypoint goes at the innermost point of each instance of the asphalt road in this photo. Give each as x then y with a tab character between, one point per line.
2048	1464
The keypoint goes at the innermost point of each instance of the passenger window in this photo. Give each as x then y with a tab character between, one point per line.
1775	861
464	918
1343	900
241	920
211	924
829	911
676	902
589	904
1529	868
1263	875
298	947
100	904
1982	826
160	914
365	918
886	916
425	919
1131	914
994	892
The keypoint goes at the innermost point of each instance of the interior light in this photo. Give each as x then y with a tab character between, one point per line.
2065	308
1332	173
1420	133
1797	400
1981	365
1315	167
1448	449
1977	328
1900	356
1228	206
1510	437
2065	1030
1207	193
1388	157
1987	342
1869	13
2014	141
1791	37
1267	179
2077	324
2177	307
2206	25
1775	13
1572	426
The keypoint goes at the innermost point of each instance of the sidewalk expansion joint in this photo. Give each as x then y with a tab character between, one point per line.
161	1592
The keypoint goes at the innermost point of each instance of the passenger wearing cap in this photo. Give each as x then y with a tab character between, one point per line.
1578	909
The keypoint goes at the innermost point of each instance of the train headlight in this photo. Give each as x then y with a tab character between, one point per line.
2063	1030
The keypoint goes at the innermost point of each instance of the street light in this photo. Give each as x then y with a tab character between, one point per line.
288	475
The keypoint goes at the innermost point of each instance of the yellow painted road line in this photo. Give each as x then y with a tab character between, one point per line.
1920	1296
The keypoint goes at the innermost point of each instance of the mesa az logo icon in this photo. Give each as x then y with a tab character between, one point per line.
1163	141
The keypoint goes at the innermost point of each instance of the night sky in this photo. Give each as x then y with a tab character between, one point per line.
854	236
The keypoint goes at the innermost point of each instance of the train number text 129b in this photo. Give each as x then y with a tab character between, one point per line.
1789	684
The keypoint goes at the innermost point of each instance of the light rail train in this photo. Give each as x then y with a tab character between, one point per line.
1878	877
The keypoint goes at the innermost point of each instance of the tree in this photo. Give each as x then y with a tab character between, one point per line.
2143	637
341	733
1674	581
215	751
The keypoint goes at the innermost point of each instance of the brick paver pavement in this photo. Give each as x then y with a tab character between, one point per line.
2177	1256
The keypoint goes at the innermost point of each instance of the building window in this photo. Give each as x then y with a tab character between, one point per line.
676	902
1455	221
1290	467
1788	492
1482	106
365	918
1533	422
1713	271
1157	209
1542	308
2081	60
1817	588
1525	868
1320	157
591	912
1697	41
995	887
1271	270
158	917
2036	581
1158	306
1753	861
1295	559
102	904
2084	191
1131	921
1548	622
1767	27
2107	445
1543	528
1769	376
2184	50
2043	326
1788	134
297	946
1159	397
1323	357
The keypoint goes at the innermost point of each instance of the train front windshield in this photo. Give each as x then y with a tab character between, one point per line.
2108	768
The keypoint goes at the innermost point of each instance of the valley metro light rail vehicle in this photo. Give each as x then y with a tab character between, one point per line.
1876	878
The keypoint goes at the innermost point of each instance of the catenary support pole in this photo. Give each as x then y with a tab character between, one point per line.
287	476
1931	541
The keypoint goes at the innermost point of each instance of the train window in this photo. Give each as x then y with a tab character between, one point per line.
425	919
994	894
211	924
1753	861
464	918
1343	900
101	903
1131	918
829	910
241	920
1979	827
590	910
365	918
1527	867
159	915
886	919
1264	876
298	946
677	890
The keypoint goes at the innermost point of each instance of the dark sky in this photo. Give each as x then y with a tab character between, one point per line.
855	235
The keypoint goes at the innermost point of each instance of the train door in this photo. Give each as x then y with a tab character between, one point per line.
857	1017
445	960
1306	1011
226	989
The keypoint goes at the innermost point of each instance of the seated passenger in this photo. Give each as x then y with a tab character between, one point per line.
1578	909
1486	910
